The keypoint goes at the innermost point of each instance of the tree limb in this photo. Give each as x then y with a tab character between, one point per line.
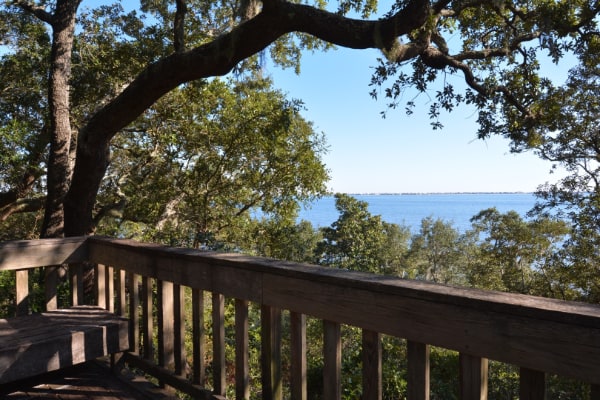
38	11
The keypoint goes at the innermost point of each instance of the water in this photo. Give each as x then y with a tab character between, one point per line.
410	209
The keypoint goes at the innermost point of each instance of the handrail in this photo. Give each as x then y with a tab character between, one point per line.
537	334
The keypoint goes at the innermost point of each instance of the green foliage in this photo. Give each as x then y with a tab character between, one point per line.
437	253
210	153
360	241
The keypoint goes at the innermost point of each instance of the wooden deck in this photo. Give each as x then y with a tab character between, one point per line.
166	293
90	381
34	344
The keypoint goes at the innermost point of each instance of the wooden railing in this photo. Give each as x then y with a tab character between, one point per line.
539	335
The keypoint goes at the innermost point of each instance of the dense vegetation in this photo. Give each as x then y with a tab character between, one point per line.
115	121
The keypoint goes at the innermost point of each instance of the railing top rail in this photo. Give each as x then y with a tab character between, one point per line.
513	303
536	333
24	254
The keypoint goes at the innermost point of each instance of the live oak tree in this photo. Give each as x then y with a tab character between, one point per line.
191	169
102	76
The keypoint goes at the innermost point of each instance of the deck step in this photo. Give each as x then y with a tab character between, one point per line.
39	343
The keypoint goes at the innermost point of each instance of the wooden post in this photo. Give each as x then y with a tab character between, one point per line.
473	377
101	290
332	367
242	370
418	371
218	317
532	384
110	288
121	293
198	337
134	313
22	292
271	352
372	365
179	326
76	283
50	287
165	318
148	327
298	368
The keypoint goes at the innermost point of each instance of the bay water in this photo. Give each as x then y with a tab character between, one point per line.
410	209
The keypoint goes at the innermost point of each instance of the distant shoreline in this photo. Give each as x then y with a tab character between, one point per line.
430	193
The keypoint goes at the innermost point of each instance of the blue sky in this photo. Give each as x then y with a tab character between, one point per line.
399	154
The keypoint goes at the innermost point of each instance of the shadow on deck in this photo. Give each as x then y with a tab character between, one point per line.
93	380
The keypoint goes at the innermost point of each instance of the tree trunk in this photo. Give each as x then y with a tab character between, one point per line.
59	160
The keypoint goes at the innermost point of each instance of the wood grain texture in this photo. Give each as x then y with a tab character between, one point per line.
39	343
372	365
21	254
332	360
473	377
418	370
298	371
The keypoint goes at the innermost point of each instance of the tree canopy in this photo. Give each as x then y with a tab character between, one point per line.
75	78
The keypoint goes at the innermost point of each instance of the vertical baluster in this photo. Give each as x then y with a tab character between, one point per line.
532	384
473	377
165	316
76	283
148	328
50	287
594	392
198	333
134	313
418	371
22	292
242	370
372	365
121	299
271	352
110	289
332	368
218	317
101	289
179	322
298	367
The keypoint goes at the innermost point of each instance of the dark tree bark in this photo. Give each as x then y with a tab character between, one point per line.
59	164
214	59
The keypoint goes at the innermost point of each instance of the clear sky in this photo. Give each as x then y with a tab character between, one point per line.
399	154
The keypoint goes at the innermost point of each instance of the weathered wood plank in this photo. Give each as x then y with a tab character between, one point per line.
568	348
418	370
40	343
76	284
332	360
298	371
21	254
147	319
121	297
372	365
199	338
539	334
100	287
242	368
165	320
134	313
218	319
532	384
50	287
179	326
110	288
270	336
473	377
22	292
